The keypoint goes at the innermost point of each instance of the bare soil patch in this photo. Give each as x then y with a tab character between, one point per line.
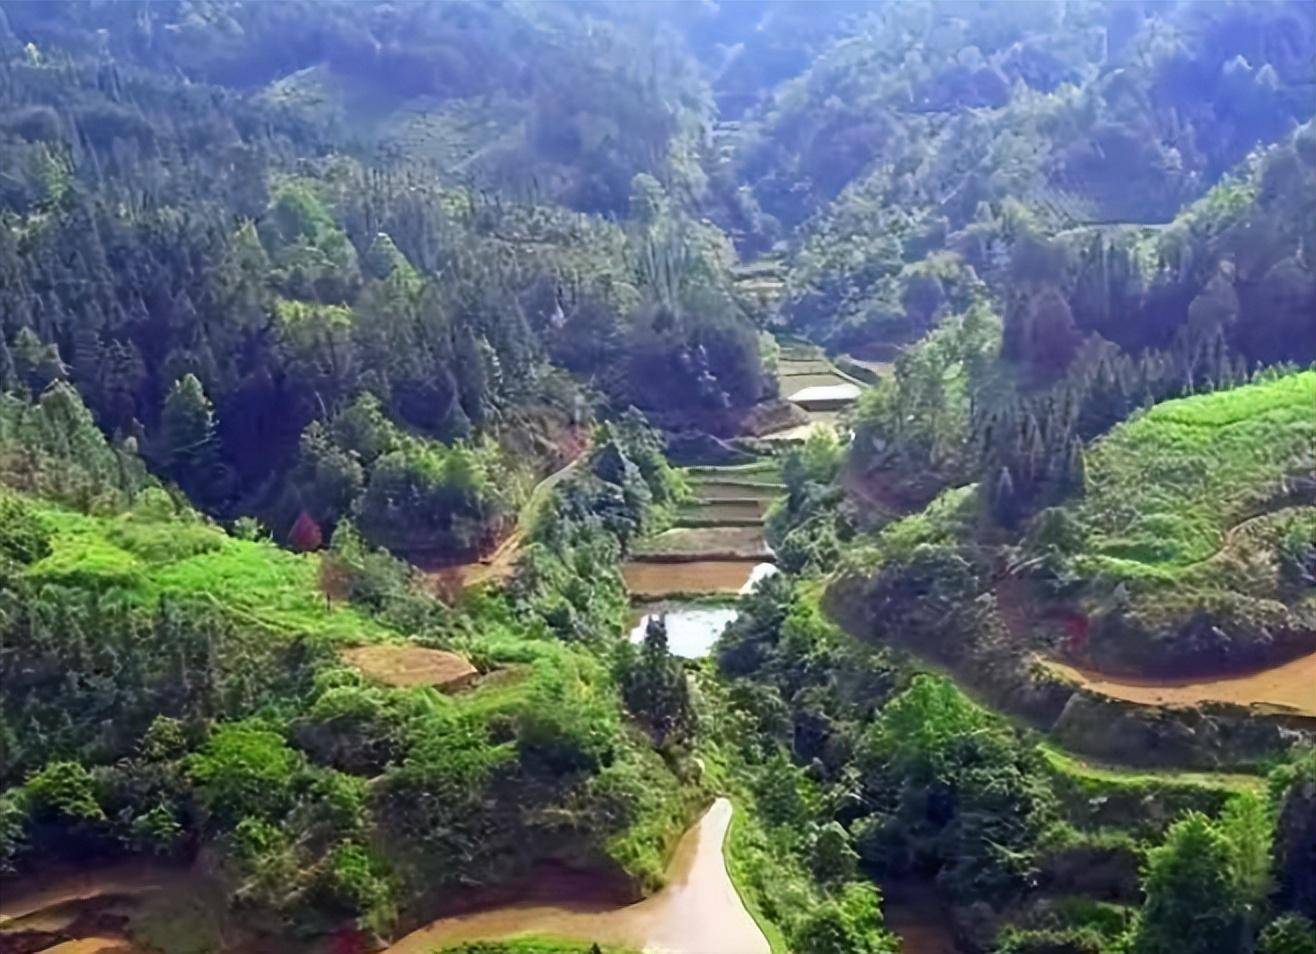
657	580
732	512
792	384
405	666
735	490
1288	688
697	542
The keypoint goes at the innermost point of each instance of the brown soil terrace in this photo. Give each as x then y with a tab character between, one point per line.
1289	688
406	666
654	580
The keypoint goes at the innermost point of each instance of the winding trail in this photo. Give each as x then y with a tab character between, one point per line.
698	912
499	565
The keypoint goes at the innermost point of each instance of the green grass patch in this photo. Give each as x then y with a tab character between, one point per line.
658	812
746	856
1072	766
142	559
1167	486
1096	797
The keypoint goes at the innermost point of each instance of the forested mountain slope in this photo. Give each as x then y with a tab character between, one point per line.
302	301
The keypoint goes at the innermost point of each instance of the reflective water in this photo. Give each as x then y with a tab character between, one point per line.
691	629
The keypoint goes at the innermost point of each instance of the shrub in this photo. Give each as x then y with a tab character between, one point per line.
848	923
65	792
243	771
23	537
1290	934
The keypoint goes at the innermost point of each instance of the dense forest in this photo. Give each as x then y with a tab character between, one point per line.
363	364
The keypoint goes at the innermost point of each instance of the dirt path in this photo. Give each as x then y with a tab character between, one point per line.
1290	688
698	912
66	887
93	910
499	565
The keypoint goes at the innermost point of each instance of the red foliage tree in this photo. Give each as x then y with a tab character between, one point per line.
305	534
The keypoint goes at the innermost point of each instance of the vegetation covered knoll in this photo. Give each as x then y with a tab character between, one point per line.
1192	541
962	589
176	691
698	910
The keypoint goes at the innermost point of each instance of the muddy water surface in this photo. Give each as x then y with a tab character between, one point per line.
1290	687
655	580
698	912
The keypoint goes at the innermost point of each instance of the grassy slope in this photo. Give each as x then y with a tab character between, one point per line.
741	851
1167	486
1099	774
143	558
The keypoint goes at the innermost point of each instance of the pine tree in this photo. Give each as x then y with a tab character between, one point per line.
188	443
38	363
1076	471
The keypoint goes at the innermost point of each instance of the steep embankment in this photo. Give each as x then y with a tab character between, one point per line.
499	565
698	910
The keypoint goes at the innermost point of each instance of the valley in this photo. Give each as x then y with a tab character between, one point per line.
646	478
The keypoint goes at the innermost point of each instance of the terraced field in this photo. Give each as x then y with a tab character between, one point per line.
718	538
807	378
1285	689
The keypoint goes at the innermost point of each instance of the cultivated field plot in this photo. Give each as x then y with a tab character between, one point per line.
793	384
1286	689
406	666
727	512
705	542
734	490
658	580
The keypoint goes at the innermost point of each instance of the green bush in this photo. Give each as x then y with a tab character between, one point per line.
1289	934
65	792
244	771
23	537
352	881
848	923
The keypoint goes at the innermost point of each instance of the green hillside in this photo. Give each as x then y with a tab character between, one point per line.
1195	532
